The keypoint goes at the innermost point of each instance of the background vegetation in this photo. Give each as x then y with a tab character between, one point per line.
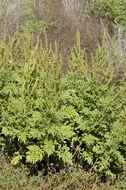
113	9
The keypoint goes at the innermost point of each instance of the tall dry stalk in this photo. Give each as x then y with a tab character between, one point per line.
77	10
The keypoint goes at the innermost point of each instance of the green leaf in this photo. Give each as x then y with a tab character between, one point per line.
49	147
64	154
87	156
16	159
34	154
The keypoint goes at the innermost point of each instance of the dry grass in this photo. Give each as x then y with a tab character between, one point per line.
68	15
15	178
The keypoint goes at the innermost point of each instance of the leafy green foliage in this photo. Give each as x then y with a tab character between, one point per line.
30	86
113	9
53	120
97	110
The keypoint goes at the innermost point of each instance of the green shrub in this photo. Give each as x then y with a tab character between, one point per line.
94	106
112	9
30	86
50	120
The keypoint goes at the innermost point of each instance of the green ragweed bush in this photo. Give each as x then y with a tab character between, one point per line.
48	119
29	90
93	105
